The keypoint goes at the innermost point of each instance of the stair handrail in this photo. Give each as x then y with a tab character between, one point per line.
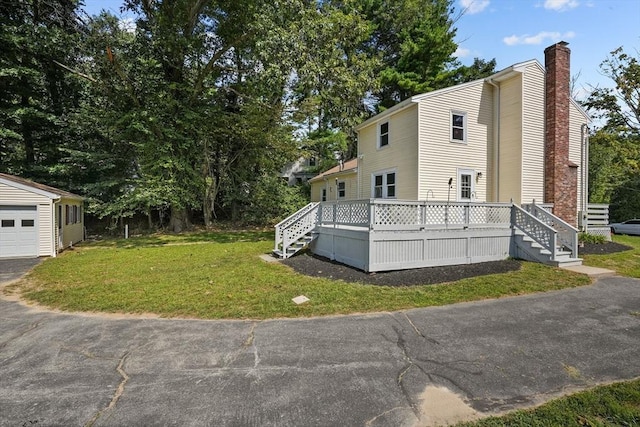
542	233
283	225
567	234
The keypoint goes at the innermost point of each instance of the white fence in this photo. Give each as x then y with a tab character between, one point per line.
598	220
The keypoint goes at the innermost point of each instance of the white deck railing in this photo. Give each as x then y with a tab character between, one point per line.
385	214
295	226
539	231
567	234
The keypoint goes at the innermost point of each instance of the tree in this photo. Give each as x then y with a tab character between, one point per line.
619	107
38	95
614	160
415	41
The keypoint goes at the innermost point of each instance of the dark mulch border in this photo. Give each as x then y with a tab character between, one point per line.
602	248
316	266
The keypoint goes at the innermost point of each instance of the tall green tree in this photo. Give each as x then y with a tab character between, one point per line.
415	41
199	87
614	160
38	96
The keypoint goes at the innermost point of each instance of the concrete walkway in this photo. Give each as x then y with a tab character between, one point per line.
388	369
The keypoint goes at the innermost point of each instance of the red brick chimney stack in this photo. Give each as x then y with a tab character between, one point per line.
561	175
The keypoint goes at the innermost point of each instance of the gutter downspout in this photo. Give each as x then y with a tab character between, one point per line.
584	187
495	178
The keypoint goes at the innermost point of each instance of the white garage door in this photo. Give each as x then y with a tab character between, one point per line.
18	231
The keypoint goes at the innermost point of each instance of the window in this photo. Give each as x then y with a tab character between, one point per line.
465	185
324	195
28	223
383	132
384	185
8	223
342	189
458	127
312	161
67	214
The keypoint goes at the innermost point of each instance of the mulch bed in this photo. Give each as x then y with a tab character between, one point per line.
602	248
312	265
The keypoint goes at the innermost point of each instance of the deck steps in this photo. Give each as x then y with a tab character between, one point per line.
529	249
295	247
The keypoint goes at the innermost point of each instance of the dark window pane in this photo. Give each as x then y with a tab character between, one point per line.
391	178
384	140
384	128
378	180
458	134
8	223
458	120
391	191
28	223
377	192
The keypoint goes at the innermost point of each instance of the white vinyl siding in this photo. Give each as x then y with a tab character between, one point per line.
72	232
349	179
400	154
439	158
576	120
510	160
533	118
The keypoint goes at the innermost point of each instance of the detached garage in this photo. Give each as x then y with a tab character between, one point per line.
37	220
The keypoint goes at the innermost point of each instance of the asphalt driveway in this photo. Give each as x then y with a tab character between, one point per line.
373	370
12	269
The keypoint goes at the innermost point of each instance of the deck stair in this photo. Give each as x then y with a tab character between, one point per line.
542	237
296	232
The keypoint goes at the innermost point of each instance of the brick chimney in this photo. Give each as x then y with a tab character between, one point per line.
561	175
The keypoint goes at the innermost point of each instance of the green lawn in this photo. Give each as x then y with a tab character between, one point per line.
612	405
219	275
626	263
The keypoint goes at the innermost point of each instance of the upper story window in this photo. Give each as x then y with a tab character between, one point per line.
383	132
312	161
458	126
342	189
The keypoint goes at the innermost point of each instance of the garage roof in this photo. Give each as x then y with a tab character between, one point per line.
34	187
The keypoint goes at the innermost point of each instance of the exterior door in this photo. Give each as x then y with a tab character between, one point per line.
466	185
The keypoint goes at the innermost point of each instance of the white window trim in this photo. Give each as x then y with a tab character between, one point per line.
338	182
465	127
472	173
379	134
384	173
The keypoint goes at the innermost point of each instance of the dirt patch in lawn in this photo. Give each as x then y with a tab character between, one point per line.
312	265
602	248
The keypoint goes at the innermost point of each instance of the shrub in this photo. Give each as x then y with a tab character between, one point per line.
591	238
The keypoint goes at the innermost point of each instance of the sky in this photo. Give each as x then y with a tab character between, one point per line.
513	31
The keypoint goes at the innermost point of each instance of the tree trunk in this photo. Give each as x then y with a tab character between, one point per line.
179	220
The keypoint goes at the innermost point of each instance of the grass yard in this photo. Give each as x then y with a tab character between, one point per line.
626	263
219	275
612	405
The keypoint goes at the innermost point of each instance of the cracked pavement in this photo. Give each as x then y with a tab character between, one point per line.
79	370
